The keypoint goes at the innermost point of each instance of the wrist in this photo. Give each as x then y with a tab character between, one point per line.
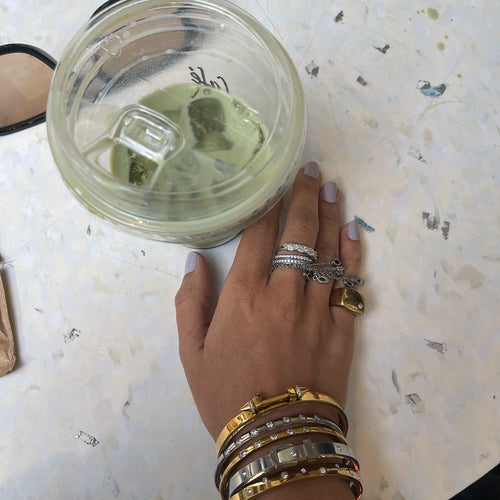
326	488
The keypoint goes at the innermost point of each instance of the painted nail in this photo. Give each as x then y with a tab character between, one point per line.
191	262
329	192
353	230
312	170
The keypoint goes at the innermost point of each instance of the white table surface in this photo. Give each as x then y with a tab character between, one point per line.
119	379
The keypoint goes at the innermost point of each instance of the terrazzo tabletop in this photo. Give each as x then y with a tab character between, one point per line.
403	104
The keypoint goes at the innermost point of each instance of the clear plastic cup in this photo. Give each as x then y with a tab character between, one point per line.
183	121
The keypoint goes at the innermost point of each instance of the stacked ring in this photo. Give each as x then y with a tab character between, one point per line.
297	247
322	272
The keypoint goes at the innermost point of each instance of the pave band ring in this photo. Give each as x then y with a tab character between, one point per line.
304	249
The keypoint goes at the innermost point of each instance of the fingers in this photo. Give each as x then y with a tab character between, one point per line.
350	247
329	222
327	244
350	255
255	251
192	304
301	224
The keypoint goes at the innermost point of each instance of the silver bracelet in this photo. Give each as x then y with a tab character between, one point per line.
276	424
273	438
286	456
272	426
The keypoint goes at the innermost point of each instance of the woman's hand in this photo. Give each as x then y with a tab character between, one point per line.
270	332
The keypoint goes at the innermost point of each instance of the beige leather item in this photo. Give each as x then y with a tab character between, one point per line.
7	353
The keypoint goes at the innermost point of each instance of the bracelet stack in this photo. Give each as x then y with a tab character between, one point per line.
319	448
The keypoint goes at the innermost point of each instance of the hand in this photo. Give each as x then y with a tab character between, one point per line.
270	332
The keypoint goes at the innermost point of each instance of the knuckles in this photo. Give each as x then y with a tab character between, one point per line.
241	297
286	308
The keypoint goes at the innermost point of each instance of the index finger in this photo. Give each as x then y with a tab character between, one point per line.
302	223
256	249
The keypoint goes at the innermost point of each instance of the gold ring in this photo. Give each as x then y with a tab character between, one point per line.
348	299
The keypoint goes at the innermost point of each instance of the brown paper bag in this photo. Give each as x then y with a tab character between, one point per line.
7	354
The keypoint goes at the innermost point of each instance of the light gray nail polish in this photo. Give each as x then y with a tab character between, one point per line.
312	170
191	262
353	230
329	192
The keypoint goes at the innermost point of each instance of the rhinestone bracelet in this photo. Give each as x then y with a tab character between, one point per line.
221	477
292	456
285	477
277	424
258	406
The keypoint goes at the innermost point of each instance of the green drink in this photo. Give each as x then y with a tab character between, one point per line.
144	140
219	138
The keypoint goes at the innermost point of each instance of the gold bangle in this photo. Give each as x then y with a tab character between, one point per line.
255	489
257	406
272	438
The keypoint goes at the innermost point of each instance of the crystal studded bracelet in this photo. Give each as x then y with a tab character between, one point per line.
285	477
290	456
224	469
276	425
258	406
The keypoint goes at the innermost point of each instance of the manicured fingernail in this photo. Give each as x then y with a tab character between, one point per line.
329	192
312	170
191	262
353	230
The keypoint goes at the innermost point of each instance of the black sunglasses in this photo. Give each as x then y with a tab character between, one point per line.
23	99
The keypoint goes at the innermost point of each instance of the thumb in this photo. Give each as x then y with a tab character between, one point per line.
192	304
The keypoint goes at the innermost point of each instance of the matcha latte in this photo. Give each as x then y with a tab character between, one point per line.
221	137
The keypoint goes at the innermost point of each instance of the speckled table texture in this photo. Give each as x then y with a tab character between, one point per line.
403	114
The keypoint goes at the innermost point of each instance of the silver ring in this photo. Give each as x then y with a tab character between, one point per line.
322	272
292	258
301	263
297	247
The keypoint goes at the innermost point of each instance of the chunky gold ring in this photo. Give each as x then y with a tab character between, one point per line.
348	299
